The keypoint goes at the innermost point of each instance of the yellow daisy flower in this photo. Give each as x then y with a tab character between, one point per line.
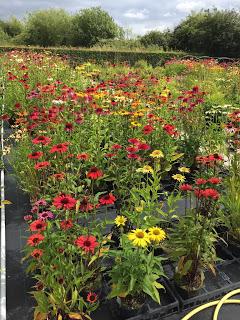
139	238
184	169
145	169
135	124
156	234
120	221
157	154
178	177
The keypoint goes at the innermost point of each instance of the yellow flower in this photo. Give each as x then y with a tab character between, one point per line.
184	169
120	221
145	169
178	177
157	154
135	124
156	234
140	208
139	238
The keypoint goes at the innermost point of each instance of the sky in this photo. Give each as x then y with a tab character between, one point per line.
139	16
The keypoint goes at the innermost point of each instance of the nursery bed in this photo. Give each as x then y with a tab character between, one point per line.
20	304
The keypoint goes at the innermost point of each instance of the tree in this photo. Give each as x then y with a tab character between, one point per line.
50	27
209	32
156	38
13	27
93	24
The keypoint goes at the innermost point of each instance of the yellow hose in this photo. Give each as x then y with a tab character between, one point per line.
218	304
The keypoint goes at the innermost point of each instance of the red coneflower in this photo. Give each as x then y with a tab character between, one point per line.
86	206
107	199
38	225
185	187
58	176
35	239
35	155
64	201
133	156
61	148
41	140
132	149
214	180
41	165
133	141
83	156
37	253
94	173
144	146
200	181
148	129
66	224
87	243
92	297
110	155
116	147
68	127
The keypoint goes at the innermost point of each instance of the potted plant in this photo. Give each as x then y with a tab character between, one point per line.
135	273
192	245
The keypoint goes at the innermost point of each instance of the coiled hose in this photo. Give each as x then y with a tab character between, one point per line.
217	303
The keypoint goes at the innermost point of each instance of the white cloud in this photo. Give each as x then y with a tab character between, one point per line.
188	6
137	14
169	14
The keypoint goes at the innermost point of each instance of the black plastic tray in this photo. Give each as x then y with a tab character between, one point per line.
151	310
227	279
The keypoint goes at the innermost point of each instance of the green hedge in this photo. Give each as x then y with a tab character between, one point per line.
83	55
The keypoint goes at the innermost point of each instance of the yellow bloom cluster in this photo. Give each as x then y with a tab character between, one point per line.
142	238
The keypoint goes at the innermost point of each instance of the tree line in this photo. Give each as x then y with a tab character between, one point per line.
208	32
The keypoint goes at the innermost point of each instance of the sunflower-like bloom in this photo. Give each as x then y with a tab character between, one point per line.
120	221
145	169
139	238
184	170
157	154
178	177
156	234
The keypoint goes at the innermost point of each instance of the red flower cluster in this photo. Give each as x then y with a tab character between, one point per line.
186	187
207	193
210	159
170	129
